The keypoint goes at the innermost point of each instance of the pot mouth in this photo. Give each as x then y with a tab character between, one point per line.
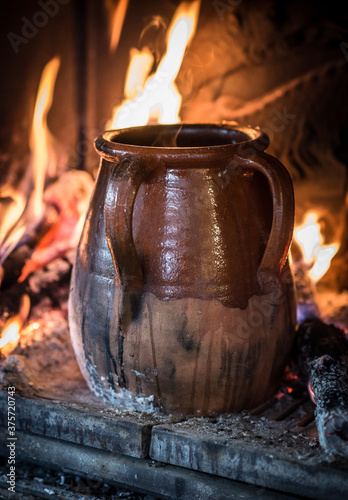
180	139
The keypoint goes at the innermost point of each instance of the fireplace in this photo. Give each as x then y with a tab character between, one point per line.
282	68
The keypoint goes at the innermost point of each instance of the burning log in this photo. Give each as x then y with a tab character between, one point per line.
70	195
321	352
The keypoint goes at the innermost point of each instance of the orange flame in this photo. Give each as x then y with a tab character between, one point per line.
117	15
11	331
155	97
21	209
42	159
316	254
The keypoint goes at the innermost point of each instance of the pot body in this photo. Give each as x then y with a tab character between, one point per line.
182	297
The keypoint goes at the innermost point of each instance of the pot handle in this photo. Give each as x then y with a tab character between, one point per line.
280	236
124	182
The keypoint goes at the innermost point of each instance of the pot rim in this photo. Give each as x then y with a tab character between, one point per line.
238	138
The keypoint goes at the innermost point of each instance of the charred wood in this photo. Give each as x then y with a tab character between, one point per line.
321	352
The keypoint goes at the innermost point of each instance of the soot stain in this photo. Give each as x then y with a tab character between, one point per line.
185	338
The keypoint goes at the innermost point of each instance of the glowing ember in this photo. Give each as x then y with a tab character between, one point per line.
70	196
22	208
11	331
155	98
279	395
315	253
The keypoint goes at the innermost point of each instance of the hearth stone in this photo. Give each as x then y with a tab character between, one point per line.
273	447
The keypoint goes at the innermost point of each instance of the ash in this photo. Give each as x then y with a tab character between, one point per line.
43	362
276	438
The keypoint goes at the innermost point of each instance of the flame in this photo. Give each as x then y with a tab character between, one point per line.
117	15
21	208
42	159
316	254
155	97
11	330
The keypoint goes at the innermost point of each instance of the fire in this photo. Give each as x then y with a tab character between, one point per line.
154	98
316	254
43	157
21	208
11	331
117	15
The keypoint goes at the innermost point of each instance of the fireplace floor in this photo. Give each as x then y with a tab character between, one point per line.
271	451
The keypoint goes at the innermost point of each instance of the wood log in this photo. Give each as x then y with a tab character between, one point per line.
321	352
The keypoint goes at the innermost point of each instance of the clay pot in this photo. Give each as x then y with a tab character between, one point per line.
182	298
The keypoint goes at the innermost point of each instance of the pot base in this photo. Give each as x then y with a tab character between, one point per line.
183	357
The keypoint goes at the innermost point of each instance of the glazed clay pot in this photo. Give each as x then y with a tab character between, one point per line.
181	297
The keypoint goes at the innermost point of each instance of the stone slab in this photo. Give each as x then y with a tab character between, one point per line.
258	453
144	475
90	423
257	450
